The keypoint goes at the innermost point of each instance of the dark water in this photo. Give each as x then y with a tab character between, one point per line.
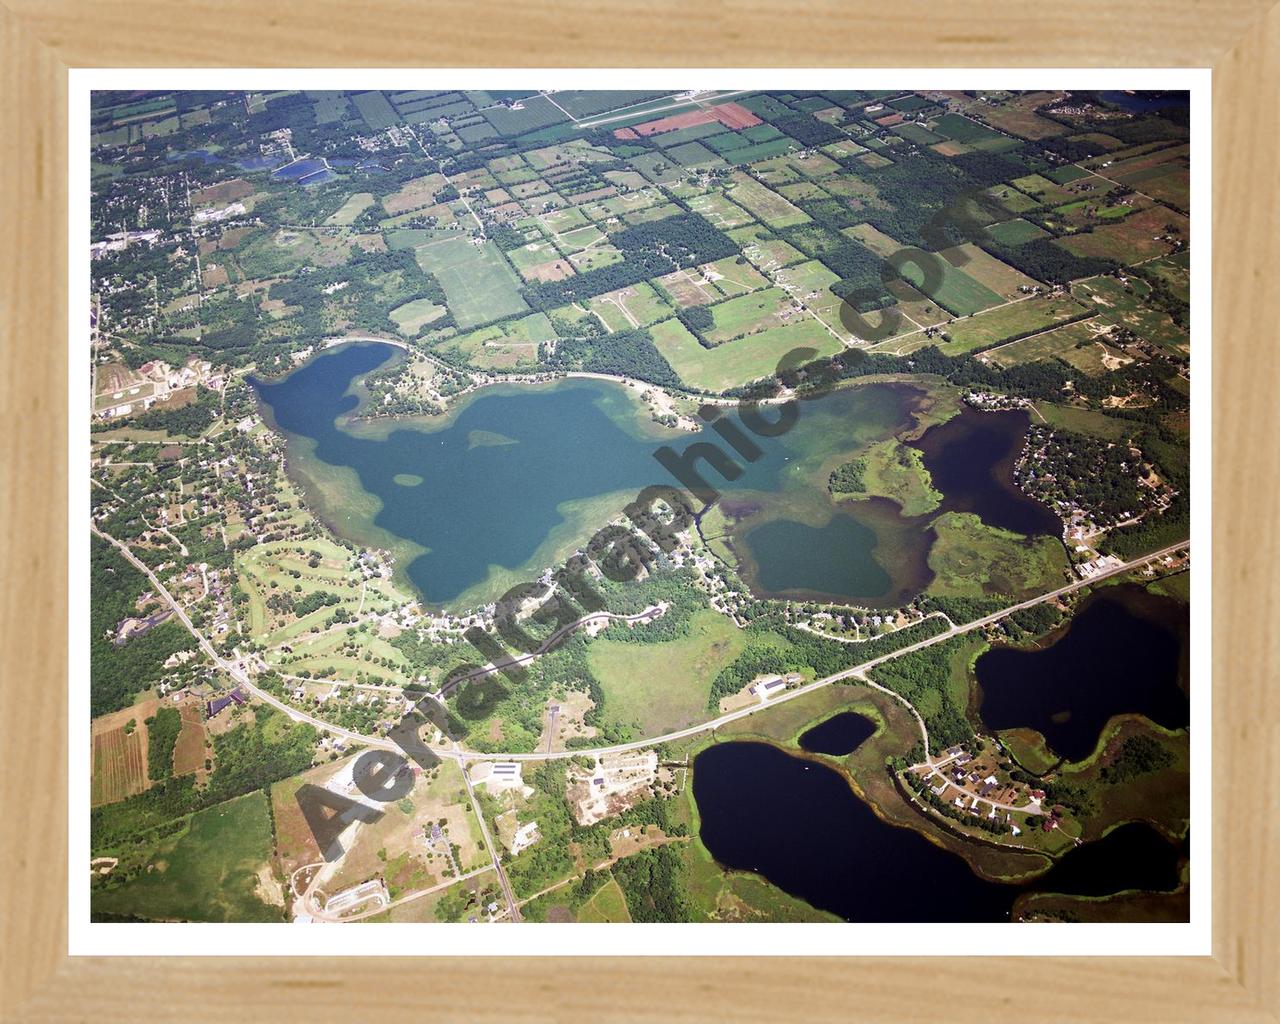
837	558
1142	102
839	735
1123	652
799	825
971	459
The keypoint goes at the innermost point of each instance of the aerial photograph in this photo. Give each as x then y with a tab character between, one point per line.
630	506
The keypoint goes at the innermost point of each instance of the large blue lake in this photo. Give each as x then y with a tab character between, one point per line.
518	476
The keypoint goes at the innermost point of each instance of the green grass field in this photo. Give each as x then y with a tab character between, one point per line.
737	362
956	290
993	327
608	905
1047	345
209	872
1015	232
476	280
1084	421
413	316
984	268
664	686
351	209
747	314
764	203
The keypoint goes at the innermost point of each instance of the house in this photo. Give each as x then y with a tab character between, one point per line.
215	707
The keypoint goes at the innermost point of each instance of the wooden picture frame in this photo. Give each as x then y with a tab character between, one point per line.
41	39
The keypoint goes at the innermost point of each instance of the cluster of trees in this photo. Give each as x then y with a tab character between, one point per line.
808	130
698	320
1139	755
313	601
162	736
118	673
847	479
1044	260
248	757
804	650
365	298
922	678
651	249
652	885
623	353
190	420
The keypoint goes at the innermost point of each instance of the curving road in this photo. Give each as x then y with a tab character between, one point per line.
237	672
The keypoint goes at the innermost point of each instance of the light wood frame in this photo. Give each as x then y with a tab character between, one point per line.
41	39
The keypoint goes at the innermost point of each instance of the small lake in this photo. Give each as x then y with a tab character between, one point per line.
798	824
1124	651
839	735
971	459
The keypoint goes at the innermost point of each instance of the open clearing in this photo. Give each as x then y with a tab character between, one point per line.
955	290
664	686
477	282
995	326
216	869
736	362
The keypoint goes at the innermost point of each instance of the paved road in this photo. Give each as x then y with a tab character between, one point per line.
241	677
513	908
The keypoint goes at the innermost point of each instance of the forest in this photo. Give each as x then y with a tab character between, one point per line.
118	673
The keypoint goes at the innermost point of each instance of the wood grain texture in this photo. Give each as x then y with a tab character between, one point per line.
657	33
39	40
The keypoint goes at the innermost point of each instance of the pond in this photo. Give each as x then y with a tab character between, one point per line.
971	459
798	824
839	735
1124	651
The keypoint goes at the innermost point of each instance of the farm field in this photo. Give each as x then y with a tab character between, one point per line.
218	868
1132	240
415	315
955	290
996	325
984	268
503	346
1015	232
661	687
764	203
1123	305
354	205
1017	116
1045	345
476	280
748	314
627	308
730	365
119	753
